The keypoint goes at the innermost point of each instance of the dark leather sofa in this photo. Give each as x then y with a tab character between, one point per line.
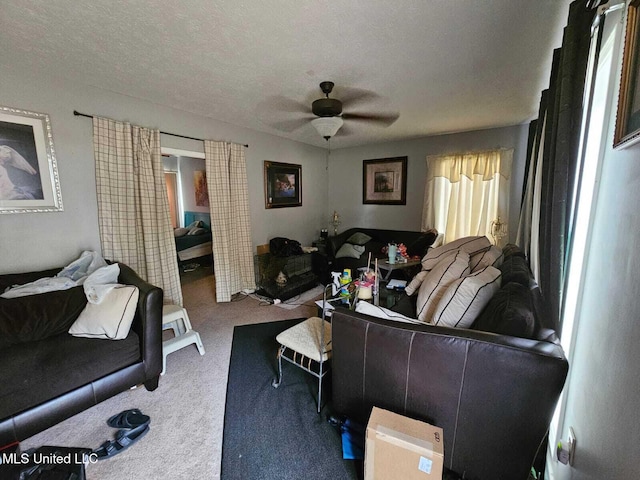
51	379
493	394
416	243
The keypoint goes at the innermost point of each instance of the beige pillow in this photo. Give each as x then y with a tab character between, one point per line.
111	318
450	268
471	245
415	283
492	257
381	312
466	297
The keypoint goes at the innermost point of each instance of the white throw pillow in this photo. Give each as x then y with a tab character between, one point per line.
415	283
471	245
450	268
347	250
466	297
381	312
492	257
111	318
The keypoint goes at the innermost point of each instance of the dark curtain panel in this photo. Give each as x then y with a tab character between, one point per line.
560	153
533	125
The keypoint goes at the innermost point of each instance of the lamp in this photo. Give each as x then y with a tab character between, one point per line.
498	231
327	127
335	221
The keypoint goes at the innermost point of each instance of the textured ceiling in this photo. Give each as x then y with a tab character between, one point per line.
442	65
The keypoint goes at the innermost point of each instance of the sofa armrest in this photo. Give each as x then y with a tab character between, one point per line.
147	322
494	396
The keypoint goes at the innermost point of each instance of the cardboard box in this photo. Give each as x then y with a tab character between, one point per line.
400	447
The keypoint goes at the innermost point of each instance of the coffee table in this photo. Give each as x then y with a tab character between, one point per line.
389	268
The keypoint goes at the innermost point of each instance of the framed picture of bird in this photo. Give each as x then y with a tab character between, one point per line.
28	170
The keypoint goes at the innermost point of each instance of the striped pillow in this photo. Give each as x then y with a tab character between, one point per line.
492	257
471	245
450	268
466	297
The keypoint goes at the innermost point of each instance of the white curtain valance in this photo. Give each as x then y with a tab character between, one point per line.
487	164
466	193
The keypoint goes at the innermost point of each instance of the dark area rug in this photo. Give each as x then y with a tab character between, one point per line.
275	433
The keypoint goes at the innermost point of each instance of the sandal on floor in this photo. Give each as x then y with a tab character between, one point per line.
124	439
129	419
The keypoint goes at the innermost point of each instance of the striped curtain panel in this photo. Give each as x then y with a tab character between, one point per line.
133	210
230	222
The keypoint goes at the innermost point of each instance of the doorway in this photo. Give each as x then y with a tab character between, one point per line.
185	174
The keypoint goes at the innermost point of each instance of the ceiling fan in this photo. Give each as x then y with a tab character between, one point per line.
329	114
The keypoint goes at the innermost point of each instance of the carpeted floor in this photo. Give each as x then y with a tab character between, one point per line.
187	409
274	433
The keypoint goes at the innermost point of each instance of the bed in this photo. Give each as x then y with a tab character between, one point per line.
195	240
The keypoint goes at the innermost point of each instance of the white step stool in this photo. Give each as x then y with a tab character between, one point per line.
175	318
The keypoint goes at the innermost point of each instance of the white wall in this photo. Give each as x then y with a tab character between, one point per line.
42	240
603	388
187	167
345	173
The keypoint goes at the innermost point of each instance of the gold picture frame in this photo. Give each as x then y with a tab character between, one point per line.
627	130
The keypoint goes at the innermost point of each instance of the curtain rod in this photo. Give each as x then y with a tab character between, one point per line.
78	114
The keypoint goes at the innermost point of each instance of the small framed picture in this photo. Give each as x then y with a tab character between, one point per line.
282	185
28	171
627	130
200	187
384	181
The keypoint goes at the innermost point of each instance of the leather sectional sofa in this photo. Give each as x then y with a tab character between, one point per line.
47	380
416	242
494	394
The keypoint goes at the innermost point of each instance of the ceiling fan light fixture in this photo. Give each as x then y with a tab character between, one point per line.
327	127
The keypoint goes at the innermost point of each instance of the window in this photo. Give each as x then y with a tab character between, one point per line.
467	193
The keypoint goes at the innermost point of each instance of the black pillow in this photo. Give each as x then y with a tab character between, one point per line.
34	317
419	246
509	312
515	269
512	249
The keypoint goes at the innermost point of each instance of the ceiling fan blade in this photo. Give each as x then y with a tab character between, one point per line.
383	119
351	96
280	103
290	125
344	131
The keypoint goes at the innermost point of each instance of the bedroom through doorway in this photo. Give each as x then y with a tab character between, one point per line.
185	178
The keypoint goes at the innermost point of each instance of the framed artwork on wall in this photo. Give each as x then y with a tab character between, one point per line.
628	116
200	187
282	184
384	181
28	171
